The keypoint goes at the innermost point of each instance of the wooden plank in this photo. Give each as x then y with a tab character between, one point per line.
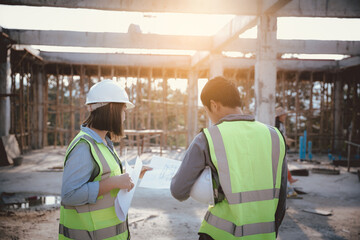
297	108
309	117
165	112
149	97
36	107
28	107
56	106
72	115
45	109
22	110
318	212
322	113
61	113
82	94
13	106
282	79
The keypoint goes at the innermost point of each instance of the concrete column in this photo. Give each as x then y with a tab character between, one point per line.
265	70
5	83
216	66
192	115
338	98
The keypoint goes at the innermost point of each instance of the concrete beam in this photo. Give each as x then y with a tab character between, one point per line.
236	26
182	61
299	8
321	8
155	41
300	46
284	64
229	32
237	7
109	40
117	59
306	65
349	62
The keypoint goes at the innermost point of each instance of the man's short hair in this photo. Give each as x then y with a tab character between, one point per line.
220	90
108	118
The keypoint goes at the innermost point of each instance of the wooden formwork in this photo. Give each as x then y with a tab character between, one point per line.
56	116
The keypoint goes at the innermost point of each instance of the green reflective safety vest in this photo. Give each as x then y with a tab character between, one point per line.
248	157
99	220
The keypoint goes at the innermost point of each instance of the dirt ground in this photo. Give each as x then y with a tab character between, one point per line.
154	214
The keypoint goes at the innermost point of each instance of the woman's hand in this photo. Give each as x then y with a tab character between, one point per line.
144	169
125	182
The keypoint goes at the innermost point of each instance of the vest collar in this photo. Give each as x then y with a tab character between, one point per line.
96	136
236	117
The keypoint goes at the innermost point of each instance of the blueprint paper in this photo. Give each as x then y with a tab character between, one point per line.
163	171
124	198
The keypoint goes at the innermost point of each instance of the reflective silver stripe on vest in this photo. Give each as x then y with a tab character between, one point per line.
224	173
105	165
107	200
275	153
97	234
239	231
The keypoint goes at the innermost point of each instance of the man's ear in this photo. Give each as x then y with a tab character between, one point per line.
213	106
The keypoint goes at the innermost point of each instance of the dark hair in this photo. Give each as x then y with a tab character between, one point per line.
108	118
277	122
220	90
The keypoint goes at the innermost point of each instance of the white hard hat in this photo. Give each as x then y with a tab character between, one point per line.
105	92
202	190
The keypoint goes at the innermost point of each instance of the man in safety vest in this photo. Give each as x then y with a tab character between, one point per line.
247	159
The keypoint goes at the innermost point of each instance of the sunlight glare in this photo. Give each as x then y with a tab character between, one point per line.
178	84
315	56
47	48
91	20
201	85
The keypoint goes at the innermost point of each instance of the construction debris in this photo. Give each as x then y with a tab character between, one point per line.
299	172
9	149
319	212
325	171
298	191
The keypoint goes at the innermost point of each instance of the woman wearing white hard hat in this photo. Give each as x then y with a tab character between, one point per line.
93	173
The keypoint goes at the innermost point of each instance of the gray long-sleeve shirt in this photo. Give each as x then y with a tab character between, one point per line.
80	167
198	156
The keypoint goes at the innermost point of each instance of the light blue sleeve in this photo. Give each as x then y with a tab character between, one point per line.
76	190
